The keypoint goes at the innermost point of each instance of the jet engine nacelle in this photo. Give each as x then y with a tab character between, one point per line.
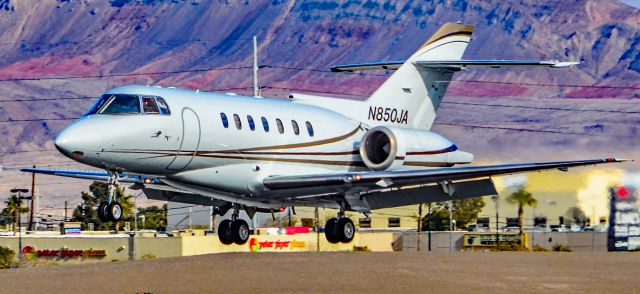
384	147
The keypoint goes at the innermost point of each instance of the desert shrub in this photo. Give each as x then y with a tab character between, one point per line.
7	257
148	256
509	247
561	248
361	248
538	248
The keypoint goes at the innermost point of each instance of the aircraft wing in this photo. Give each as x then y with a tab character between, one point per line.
390	179
94	175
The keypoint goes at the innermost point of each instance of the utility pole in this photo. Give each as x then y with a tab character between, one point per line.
256	88
65	210
496	199
19	214
450	225
33	200
419	223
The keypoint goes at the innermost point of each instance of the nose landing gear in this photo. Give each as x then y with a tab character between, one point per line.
110	210
234	230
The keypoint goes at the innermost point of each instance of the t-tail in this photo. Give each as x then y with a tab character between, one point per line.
413	94
405	91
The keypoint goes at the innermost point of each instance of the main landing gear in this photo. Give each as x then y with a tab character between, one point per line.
110	210
234	230
340	229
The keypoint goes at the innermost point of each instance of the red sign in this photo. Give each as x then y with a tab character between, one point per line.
256	245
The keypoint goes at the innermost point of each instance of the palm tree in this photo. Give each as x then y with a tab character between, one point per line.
522	198
12	209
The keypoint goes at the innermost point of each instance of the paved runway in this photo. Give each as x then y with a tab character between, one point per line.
345	272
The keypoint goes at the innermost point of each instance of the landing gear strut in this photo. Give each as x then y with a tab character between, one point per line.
340	229
234	230
110	210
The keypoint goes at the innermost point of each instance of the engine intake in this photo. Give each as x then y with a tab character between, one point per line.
379	148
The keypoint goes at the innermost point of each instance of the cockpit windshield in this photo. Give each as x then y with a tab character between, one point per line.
129	104
123	104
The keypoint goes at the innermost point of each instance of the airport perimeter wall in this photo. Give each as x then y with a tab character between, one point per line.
72	249
577	241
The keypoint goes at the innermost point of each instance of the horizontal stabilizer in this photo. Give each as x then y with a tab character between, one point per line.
383	65
458	64
453	64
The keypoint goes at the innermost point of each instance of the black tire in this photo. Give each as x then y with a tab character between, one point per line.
345	230
102	212
330	230
114	211
240	232
224	232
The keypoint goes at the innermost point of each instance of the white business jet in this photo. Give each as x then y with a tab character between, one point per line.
259	154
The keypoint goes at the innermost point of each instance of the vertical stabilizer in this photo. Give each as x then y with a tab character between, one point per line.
412	95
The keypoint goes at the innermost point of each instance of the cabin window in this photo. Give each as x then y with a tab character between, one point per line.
149	105
123	104
225	121
296	129
164	107
265	124
252	125
236	119
310	129
280	126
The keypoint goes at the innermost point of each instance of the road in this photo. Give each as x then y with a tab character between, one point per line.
345	272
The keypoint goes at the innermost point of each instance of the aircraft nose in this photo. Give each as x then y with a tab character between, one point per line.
75	141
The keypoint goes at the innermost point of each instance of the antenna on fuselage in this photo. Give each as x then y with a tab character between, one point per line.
256	88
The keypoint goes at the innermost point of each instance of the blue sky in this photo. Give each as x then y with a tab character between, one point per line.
635	3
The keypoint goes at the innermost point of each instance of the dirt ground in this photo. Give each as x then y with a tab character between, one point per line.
345	272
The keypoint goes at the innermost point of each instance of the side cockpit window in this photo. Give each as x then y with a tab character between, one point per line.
122	104
149	105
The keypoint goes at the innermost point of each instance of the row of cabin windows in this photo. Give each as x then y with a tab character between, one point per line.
265	124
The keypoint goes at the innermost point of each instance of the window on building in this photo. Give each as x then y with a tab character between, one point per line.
364	222
280	126
265	124
296	129
310	129
164	107
252	125
394	222
236	119
225	121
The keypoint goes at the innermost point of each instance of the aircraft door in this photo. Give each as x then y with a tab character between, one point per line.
190	140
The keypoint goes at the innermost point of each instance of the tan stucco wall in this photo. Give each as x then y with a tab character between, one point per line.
117	247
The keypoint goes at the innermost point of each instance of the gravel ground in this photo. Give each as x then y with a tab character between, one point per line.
345	272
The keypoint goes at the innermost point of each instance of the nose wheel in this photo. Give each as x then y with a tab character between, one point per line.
110	210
